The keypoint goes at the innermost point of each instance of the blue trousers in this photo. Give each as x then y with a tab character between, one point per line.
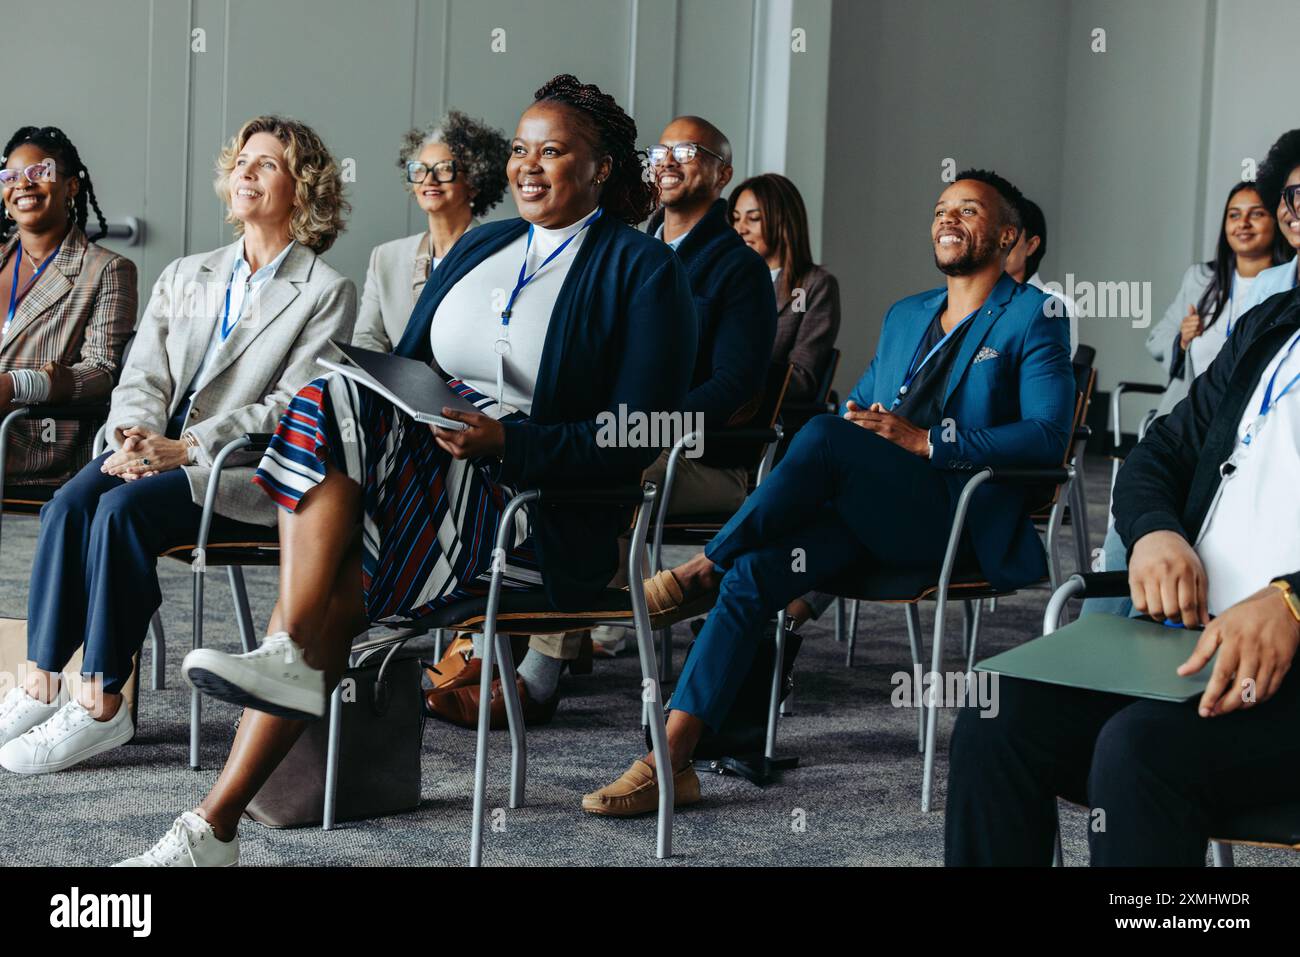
841	497
95	574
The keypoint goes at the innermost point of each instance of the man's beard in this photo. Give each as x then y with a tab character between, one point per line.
979	253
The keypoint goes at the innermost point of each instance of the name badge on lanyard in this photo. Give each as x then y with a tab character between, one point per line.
1268	404
501	346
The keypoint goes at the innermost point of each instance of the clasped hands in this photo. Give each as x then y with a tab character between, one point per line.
1256	638
889	426
144	453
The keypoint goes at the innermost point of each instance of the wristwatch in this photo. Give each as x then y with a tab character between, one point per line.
1289	596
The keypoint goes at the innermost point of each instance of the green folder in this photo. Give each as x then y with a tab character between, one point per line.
1128	656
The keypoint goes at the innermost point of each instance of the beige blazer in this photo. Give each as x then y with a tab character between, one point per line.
269	356
78	317
394	281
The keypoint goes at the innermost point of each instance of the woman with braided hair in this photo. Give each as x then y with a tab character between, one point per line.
69	304
385	518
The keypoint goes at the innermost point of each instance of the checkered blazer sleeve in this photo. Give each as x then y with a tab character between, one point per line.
110	324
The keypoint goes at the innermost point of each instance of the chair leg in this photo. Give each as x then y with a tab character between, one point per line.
481	742
1053	534
438	643
1221	852
515	721
243	615
932	706
976	608
853	633
332	758
652	712
914	639
839	619
196	699
774	700
966	615
159	677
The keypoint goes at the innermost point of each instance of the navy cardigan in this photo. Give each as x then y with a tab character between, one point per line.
736	306
623	332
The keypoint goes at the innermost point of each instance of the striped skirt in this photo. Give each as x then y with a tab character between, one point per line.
429	521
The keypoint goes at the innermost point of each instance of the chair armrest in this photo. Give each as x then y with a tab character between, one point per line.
1105	584
1018	476
620	496
258	441
90	412
1140	388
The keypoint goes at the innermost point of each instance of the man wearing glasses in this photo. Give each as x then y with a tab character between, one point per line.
1279	187
1206	507
736	307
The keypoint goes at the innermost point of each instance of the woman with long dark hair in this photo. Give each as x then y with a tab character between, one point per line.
1214	294
768	213
382	517
70	302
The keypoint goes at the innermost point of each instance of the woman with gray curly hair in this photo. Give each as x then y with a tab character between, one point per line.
456	171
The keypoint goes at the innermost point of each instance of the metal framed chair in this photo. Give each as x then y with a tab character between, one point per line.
497	614
1273	826
1121	444
234	554
756	444
794	415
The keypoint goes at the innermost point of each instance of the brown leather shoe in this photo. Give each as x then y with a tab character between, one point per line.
460	705
636	792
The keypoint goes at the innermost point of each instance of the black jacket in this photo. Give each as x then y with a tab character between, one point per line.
1168	482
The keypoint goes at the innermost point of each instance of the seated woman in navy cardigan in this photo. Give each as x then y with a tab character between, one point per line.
383	517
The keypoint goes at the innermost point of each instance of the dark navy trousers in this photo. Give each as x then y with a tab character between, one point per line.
842	497
95	574
1158	779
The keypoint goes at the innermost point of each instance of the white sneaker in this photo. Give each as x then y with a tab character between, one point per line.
190	843
20	712
70	737
608	640
273	678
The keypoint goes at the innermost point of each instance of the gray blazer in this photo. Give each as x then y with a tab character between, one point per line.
387	298
296	314
1163	337
805	337
390	292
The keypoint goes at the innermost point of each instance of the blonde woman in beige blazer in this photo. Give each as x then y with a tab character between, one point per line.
456	171
69	304
226	340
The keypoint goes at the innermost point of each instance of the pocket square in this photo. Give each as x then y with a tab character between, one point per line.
987	352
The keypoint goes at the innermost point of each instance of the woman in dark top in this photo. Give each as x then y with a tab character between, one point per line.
768	213
367	531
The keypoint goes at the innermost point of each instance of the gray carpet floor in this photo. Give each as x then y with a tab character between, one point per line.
854	799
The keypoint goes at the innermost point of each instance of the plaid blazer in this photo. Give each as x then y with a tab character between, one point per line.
78	315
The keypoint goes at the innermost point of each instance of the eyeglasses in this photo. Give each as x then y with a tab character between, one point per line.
42	172
1291	196
443	172
683	153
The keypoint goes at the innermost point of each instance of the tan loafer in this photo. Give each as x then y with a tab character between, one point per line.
636	792
664	596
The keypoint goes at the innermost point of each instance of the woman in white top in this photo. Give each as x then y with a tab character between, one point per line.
1214	294
384	517
456	171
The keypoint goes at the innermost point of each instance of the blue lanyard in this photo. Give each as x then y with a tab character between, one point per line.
1270	402
914	370
14	296
226	315
526	277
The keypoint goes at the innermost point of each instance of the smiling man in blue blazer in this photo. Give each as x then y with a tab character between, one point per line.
973	373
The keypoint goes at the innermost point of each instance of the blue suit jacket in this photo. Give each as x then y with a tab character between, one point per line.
1014	407
623	332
